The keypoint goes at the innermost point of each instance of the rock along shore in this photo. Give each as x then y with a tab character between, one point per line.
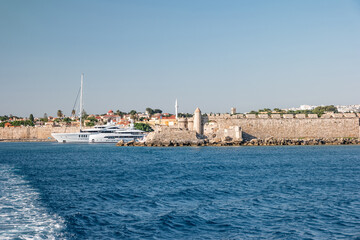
253	142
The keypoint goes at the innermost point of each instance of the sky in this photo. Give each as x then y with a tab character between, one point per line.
248	54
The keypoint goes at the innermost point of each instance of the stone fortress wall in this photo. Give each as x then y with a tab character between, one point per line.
286	126
28	133
237	127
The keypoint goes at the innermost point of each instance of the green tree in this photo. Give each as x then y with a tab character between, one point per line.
4	118
331	108
67	120
278	110
120	113
45	118
158	111
265	110
133	116
59	113
143	127
92	119
90	124
31	118
185	115
150	111
132	112
322	109
73	113
22	123
84	115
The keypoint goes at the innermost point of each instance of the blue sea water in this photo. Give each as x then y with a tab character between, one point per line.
86	191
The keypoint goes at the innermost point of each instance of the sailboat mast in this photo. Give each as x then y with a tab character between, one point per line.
81	99
176	109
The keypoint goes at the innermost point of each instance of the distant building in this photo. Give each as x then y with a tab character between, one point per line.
348	108
302	107
340	108
307	107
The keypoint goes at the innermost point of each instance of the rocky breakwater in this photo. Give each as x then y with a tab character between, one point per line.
286	142
175	137
168	137
301	141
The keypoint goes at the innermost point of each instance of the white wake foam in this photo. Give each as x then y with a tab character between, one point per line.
21	213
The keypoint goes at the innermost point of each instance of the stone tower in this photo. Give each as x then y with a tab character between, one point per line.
197	121
190	124
233	111
182	123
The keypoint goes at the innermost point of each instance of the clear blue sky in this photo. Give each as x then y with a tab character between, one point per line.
209	54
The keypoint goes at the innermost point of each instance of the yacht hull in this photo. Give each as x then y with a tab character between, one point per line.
112	138
71	137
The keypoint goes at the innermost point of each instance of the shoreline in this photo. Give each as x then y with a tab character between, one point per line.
27	140
253	142
207	143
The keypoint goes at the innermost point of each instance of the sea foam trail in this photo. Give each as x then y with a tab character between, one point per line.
21	214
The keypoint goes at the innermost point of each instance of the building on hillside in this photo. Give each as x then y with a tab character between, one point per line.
50	123
348	108
123	123
168	120
165	119
142	115
8	125
110	117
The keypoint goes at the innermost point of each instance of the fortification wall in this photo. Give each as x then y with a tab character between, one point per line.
287	126
238	126
33	133
276	116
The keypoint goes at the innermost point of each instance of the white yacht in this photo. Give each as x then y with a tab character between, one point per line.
83	135
125	134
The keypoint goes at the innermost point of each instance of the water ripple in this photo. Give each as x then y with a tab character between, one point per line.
21	213
103	192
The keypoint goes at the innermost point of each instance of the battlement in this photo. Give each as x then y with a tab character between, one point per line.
283	116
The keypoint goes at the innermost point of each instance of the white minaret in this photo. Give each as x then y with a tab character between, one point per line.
197	121
176	109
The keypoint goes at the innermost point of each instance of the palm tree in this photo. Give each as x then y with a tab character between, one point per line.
59	113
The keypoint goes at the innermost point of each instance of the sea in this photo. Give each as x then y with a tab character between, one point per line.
100	191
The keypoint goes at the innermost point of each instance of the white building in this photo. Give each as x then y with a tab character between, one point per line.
348	108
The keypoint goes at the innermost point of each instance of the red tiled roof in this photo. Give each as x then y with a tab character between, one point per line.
171	117
111	116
